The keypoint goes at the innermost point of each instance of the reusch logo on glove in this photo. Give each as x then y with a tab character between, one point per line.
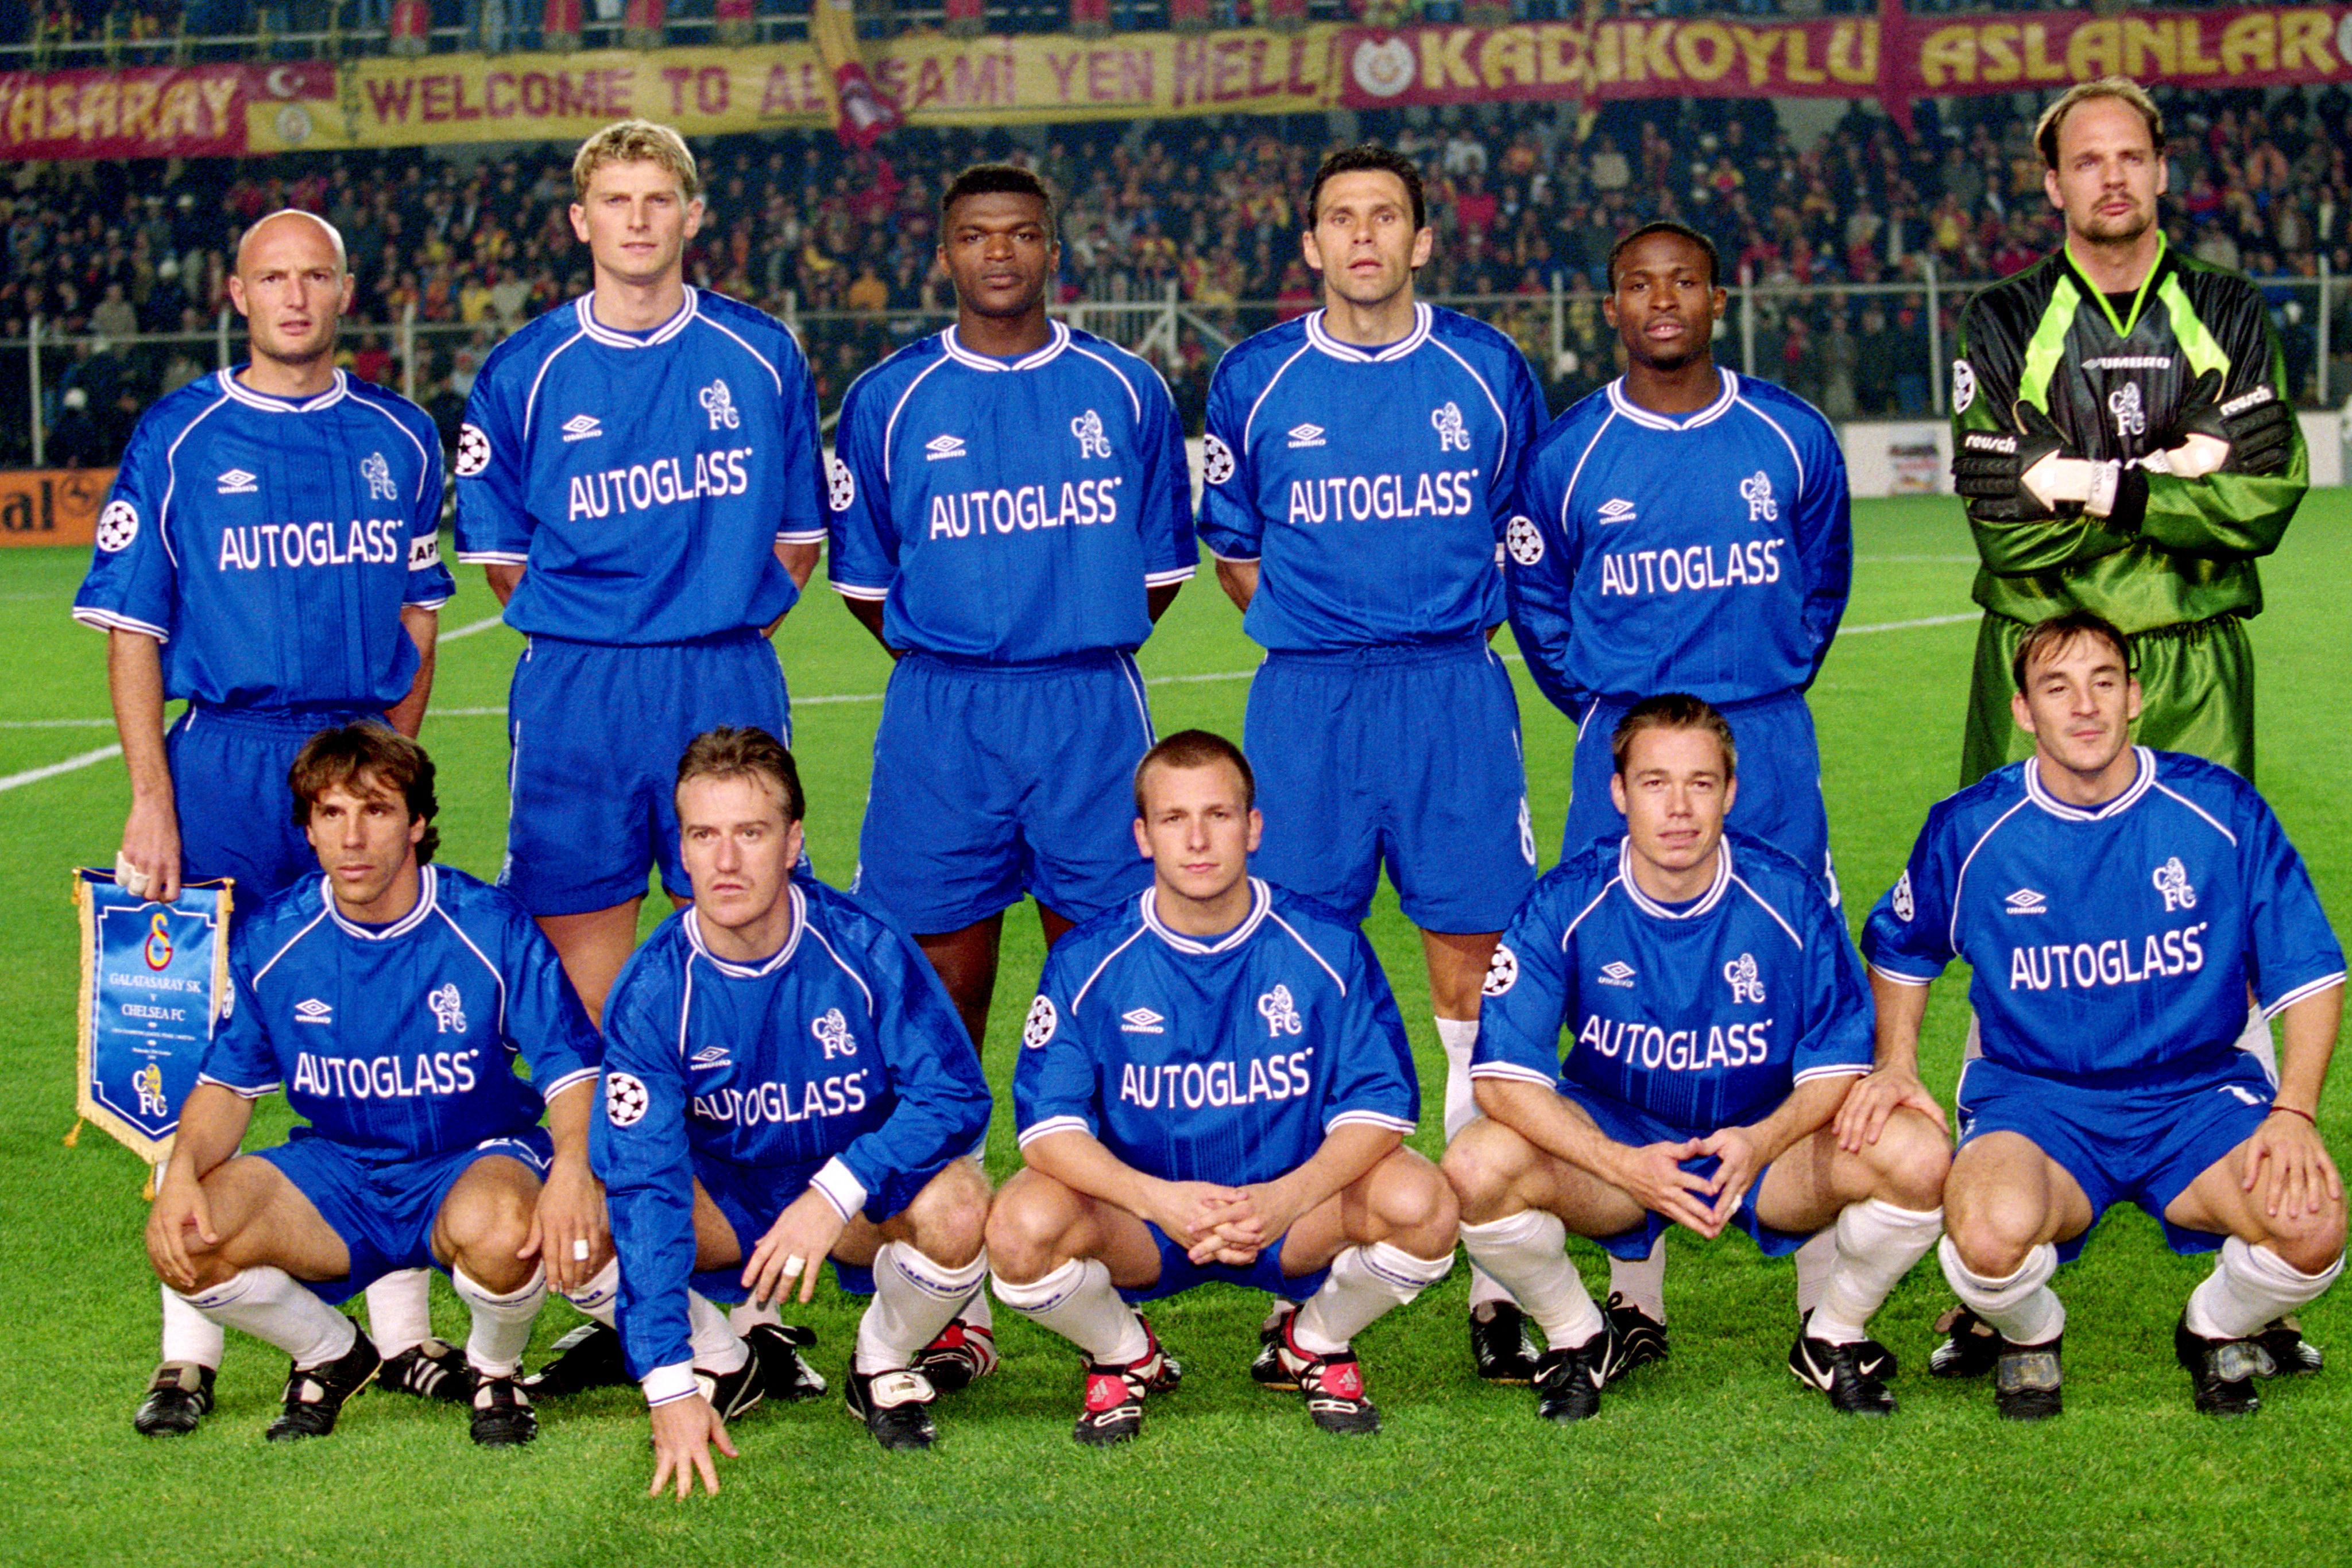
2244	401
1985	441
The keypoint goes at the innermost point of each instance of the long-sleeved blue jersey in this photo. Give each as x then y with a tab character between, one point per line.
644	477
840	1053
1371	485
1708	553
269	543
400	1040
1226	1061
1705	1015
2111	939
1013	510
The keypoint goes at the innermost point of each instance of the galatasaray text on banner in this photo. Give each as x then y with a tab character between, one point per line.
153	976
52	506
147	111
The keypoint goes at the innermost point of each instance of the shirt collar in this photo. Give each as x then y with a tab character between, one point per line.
268	402
1653	419
1320	336
612	336
428	882
692	921
1057	338
1652	907
1261	901
2143	780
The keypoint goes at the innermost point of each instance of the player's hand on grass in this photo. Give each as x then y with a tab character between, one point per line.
794	1250
684	1433
1863	1114
568	1228
179	1206
1653	1177
2286	1158
151	847
1739	1157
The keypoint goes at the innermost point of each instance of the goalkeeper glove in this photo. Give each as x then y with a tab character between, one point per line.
2026	476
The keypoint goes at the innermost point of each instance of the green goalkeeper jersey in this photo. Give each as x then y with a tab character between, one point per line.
2112	374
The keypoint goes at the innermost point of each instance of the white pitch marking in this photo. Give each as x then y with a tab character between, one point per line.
71	764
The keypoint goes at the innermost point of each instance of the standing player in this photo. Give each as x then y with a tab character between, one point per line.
1361	462
637	475
1215	1085
389	1000
785	1082
1716	1016
270	553
1011	515
1685	528
2122	430
2116	903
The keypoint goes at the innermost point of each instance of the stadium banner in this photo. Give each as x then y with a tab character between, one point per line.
52	506
863	114
147	111
152	976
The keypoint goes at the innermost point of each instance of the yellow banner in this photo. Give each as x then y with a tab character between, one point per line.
387	102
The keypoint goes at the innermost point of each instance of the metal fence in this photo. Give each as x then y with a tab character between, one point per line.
1856	351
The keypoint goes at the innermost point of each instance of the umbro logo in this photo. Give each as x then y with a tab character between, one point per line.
1616	510
2025	901
582	427
944	446
237	482
709	1056
1305	436
1617	972
1141	1020
313	1011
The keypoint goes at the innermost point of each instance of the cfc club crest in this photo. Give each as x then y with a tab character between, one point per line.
2171	880
1964	386
1042	1022
378	474
148	1081
625	1100
720	405
840	484
1901	897
1502	972
1740	974
1452	435
1216	459
2124	402
117	526
1756	491
1089	428
832	1031
473	451
1280	1012
1524	540
448	1010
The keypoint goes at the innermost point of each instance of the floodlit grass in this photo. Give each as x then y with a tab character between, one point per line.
1715	1456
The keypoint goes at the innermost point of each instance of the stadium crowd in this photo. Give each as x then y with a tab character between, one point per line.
1524	205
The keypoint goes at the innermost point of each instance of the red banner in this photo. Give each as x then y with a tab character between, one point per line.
158	111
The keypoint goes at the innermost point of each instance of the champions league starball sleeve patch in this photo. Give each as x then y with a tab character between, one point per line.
153	976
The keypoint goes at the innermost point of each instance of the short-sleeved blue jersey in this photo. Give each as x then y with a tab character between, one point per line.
840	1052
1705	1015
1708	553
1011	509
2110	939
1226	1061
269	543
1371	485
644	478
400	1040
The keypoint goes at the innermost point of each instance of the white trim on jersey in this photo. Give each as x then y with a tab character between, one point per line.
2308	988
1593	904
1052	1125
1321	339
428	883
1264	392
1832	1069
1361	1118
1501	419
496	978
172	475
1078	997
490	558
1182	574
1573	475
1897	977
327	897
1261	904
891	424
2164	789
1134	398
1642	416
800	916
531	398
580	1076
839	1187
1960	877
1764	905
1785	441
1514	1071
860	591
268	402
243	1091
423	464
1652	907
1142	704
774	962
613	337
2142	782
1307	948
113	621
1057	338
774	374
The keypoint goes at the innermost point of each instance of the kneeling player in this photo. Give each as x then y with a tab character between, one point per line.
1215	1085
1716	1016
2116	904
389	999
785	1082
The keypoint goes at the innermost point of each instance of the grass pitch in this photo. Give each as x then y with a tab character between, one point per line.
1716	1455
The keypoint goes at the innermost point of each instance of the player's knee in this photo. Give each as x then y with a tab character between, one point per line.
2309	1243
486	1228
1026	1224
1481	1167
1912	1157
950	1215
1991	1237
1414	1202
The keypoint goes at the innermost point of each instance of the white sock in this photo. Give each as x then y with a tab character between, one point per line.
915	1297
1873	1245
745	1316
279	1309
2023	1307
600	1298
1365	1282
1527	1252
717	1346
1814	1260
1641	1282
978	1313
500	1331
1456	1036
2249	1287
188	1335
400	1310
1077	1302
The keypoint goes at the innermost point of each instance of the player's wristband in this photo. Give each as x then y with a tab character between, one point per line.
2292	1111
664	1384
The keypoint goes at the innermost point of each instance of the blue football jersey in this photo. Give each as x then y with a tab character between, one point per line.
1011	509
2112	939
1224	1060
840	1052
1705	1015
401	1039
269	543
1708	553
1371	485
644	478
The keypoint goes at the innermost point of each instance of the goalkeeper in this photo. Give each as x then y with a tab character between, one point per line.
2123	439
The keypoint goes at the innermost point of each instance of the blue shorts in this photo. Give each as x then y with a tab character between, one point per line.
1779	777
990	781
384	1208
2140	1138
237	812
751	1196
1178	1273
595	733
1403	755
1632	1125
